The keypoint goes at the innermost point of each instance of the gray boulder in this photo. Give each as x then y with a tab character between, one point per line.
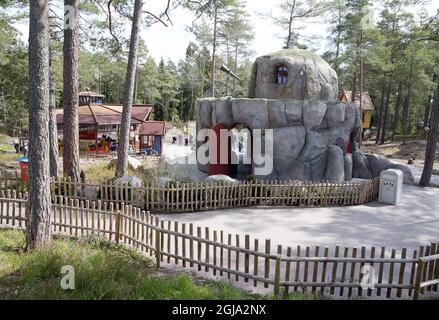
313	113
276	110
220	178
293	111
222	111
299	170
129	181
348	165
360	168
289	141
318	167
408	175
315	146
377	164
252	112
335	115
335	164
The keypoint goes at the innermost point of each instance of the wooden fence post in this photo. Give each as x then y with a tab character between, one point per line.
119	223
419	273
157	247
277	276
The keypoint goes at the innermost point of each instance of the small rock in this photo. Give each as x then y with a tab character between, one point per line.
411	161
130	181
220	178
133	163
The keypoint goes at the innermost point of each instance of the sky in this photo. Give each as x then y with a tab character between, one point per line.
171	42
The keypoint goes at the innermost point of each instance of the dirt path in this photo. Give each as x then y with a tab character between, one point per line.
414	149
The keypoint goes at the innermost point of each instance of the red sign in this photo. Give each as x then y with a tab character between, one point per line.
87	135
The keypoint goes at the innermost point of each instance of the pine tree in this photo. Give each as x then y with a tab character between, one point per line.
38	225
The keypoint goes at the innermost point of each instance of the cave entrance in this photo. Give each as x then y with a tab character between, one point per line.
241	152
235	146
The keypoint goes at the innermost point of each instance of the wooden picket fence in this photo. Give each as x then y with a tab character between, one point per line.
191	197
315	270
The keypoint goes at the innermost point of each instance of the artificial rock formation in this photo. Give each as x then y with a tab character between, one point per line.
309	77
368	166
310	137
294	93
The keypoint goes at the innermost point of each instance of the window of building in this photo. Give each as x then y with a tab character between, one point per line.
282	75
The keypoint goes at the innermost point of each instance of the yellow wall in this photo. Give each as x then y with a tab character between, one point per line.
367	119
367	115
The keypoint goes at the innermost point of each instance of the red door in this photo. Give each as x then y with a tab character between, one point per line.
215	166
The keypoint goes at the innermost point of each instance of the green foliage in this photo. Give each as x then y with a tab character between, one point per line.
102	271
13	79
397	62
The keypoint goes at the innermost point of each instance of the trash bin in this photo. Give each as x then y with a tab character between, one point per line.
24	164
391	184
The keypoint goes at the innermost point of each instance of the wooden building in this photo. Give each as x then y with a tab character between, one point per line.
367	105
97	120
152	135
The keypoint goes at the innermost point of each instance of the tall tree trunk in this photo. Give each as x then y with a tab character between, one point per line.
228	61
427	112
38	226
290	25
215	31
430	153
136	86
235	68
192	104
386	114
380	115
53	132
405	115
71	91
124	138
338	40
396	114
406	108
354	85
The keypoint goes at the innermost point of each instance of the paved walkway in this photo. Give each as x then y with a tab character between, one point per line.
414	222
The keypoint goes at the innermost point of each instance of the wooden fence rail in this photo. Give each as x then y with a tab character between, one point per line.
337	271
190	197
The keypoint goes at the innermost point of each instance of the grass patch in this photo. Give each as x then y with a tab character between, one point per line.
6	148
9	157
103	271
102	172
